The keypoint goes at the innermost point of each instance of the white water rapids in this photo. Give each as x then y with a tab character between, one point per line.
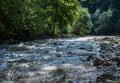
67	60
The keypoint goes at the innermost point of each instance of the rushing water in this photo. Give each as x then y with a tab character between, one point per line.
67	60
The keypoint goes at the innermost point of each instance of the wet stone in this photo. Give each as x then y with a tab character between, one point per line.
58	54
73	81
115	59
98	62
107	64
107	76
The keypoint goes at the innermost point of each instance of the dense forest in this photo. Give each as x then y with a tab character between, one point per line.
105	16
30	19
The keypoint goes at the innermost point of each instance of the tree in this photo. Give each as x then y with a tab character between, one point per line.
22	18
61	14
105	16
27	19
101	24
84	24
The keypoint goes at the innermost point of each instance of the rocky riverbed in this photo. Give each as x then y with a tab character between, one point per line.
62	60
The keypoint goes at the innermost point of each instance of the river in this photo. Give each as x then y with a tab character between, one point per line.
59	60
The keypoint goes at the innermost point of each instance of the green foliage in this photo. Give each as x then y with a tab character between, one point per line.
26	19
101	23
2	30
62	14
11	17
105	16
83	25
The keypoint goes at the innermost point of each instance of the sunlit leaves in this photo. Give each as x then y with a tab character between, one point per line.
64	13
40	17
83	24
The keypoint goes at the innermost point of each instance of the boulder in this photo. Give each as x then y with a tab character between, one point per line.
98	62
